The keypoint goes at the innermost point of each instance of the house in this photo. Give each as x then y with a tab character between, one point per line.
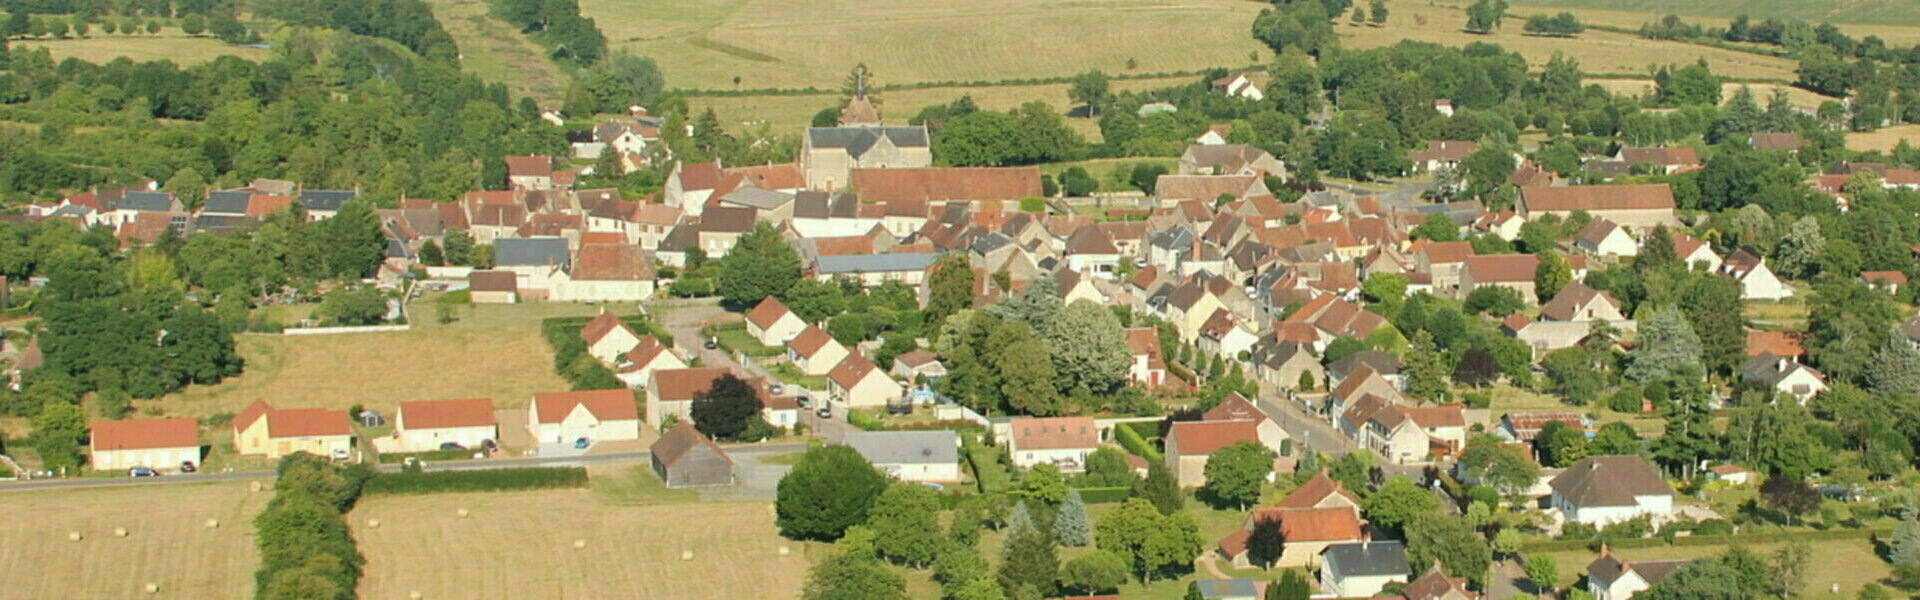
1642	206
1241	84
1663	161
1757	282
1436	585
858	383
916	456
916	365
537	263
637	366
1282	364
1209	188
1414	435
872	270
1146	367
1888	281
1230	159
689	186
1190	444
1236	407
1063	442
1731	474
608	338
425	425
683	458
1307	532
672	392
158	444
1238	588
1363	383
1788	141
1511	271
529	172
1605	238
608	273
1441	154
782	412
261	429
1578	303
1215	135
1611	577
1777	343
1361	569
1382	364
814	352
597	415
1222	335
1695	253
1524	426
1443	261
1784	375
830	154
493	287
772	324
1601	490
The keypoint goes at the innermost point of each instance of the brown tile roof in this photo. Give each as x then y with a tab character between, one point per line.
1206	437
606	405
1526	425
1596	231
1314	491
1528	175
1203	188
1684	245
439	414
727	219
1775	141
1447	252
602	325
1776	343
783	176
843	245
916	358
683	384
950	183
1450	415
1572	298
590	238
1436	585
261	205
810	341
1091	240
1447	150
700	176
1884	277
143	434
307	422
606	262
1502	268
1651	196
767	312
529	166
655	214
1609	481
1660	156
851	370
1055	433
643	353
1234	408
677	442
1314	524
492	281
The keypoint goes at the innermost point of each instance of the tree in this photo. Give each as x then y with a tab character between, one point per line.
1487	463
193	25
1906	547
1790	568
1550	275
1094	572
363	306
1437	227
1291	586
1236	473
1689	436
1399	503
1159	489
1045	483
1616	437
1025	369
1543	571
727	410
1107	467
1485	15
1071	527
459	246
1790	495
1378	12
950	286
849	576
906	524
1265	543
1477	368
1426	375
830	489
1560	444
1667	348
1460	551
1895	369
815	301
1151	541
1800	250
761	264
1030	560
1089	88
431	254
1089	349
1498	301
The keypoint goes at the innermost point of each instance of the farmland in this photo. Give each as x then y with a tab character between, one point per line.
522	545
1849	564
167	543
1882	139
788	114
497	52
1868	12
103	48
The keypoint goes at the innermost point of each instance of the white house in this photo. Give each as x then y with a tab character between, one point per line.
859	383
1601	490
814	352
1360	570
1785	375
1605	238
1693	251
608	273
1064	442
1757	282
607	338
597	415
158	444
917	456
772	324
424	425
1611	577
637	367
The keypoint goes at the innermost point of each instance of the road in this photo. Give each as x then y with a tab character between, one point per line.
1305	427
684	319
740	452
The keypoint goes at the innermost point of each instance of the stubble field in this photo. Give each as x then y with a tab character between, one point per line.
167	543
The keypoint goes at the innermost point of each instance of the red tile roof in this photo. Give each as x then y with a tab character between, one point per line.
954	183
307	422
606	405
1314	491
1055	433
440	414
851	371
529	166
1502	268
810	341
144	434
1590	198
684	384
1206	437
609	262
600	326
768	312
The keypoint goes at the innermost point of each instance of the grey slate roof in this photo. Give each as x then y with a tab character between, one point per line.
988	243
530	252
822	205
326	200
146	202
1610	480
1368	558
1239	587
906	447
876	263
757	198
857	140
230	202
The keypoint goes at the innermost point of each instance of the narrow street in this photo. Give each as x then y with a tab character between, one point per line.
684	318
1304	427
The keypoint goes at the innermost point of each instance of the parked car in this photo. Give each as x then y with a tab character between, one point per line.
489	445
342	454
712	342
187	466
775	388
451	446
581	444
825	412
803	401
142	472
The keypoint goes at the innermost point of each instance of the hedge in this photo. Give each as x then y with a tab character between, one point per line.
478	480
387	458
1133	442
1104	495
865	421
1707	540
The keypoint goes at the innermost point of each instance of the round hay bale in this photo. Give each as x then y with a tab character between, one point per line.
253	486
784	551
686	555
374	523
153	588
74	536
579	544
415	595
462	512
119	532
213	523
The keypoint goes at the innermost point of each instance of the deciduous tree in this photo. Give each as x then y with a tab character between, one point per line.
830	489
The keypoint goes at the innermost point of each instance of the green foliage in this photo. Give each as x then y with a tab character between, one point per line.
1131	439
363	306
1460	551
1159	489
1236	473
1437	227
1291	586
305	547
761	264
728	410
1094	572
388	458
1029	560
1033	133
853	576
830	489
1399	503
1152	542
481	480
1668	347
1072	527
906	523
1487	463
1550	275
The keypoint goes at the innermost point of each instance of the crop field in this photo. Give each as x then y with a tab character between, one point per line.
497	51
1871	12
490	351
789	114
1883	139
168	542
1849	564
780	43
140	48
1761	91
522	545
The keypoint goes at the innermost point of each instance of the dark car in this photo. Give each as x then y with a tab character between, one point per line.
713	343
775	388
187	466
581	444
452	446
803	401
142	472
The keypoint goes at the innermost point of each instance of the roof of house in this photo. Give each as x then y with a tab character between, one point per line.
1772	370
1206	437
857	140
684	384
940	447
1527	424
1381	363
767	312
602	325
1234	407
233	202
1446	252
1055	433
1206	188
1611	480
612	262
1368	558
1776	343
531	252
606	405
946	183
1238	587
782	176
875	263
1609	568
810	341
1597	231
1435	584
492	281
1502	268
307	422
676	443
757	198
326	200
1447	150
1660	156
643	353
728	219
143	434
439	414
851	371
916	358
1884	277
1566	305
1775	141
1314	491
1649	196
529	166
146	201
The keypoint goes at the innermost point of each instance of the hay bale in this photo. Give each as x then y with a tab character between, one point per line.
213	523
686	555
784	551
579	544
462	512
373	523
415	595
119	532
253	486
74	536
153	588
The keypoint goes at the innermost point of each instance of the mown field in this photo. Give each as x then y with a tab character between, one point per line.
775	43
167	543
1849	564
1867	12
498	52
790	114
171	45
1883	139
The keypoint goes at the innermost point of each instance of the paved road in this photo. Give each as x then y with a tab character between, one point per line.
684	320
748	452
1305	427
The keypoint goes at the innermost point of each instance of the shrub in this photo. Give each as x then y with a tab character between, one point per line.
388	458
865	421
479	480
1104	495
1134	442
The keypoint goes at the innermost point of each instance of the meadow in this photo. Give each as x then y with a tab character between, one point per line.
1864	12
168	542
788	114
171	46
1849	564
497	52
1882	139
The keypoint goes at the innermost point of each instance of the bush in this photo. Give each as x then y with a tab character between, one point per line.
1104	495
388	458
1134	442
1713	527
478	480
865	421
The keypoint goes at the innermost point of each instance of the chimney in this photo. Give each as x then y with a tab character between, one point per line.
1604	550
1626	566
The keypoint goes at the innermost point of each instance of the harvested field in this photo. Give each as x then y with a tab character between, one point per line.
167	543
1883	139
790	114
141	48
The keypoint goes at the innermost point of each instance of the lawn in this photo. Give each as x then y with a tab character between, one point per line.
497	52
1883	139
790	114
628	485
1849	563
172	46
522	545
168	542
770	43
489	351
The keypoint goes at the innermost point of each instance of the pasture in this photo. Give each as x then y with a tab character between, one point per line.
102	48
1867	12
168	542
497	52
1883	139
1849	564
522	545
779	44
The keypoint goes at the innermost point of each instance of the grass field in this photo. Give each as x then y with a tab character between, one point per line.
1507	398
1883	139
491	351
521	545
140	48
789	114
775	43
498	52
167	543
1761	91
1849	563
1866	12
